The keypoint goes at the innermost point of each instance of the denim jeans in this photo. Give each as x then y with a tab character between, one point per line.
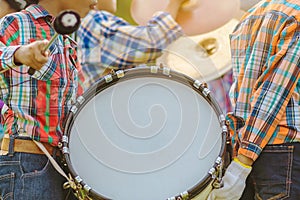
26	176
275	174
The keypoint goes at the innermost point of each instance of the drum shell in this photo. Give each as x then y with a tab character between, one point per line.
204	185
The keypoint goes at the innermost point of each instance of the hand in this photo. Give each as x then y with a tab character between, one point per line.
32	54
234	182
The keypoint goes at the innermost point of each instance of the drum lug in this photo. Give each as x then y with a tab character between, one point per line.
108	78
154	69
120	73
182	196
78	179
65	139
74	109
166	71
197	84
87	188
222	119
80	99
82	193
205	92
224	129
65	150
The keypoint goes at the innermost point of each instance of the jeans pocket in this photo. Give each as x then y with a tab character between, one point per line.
271	172
7	179
7	186
41	180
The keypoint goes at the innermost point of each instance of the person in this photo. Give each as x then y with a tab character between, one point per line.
10	6
265	122
220	88
7	7
34	107
107	42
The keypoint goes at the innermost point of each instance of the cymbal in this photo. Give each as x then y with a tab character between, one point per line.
202	17
203	57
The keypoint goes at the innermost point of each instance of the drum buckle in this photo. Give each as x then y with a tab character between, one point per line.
79	192
218	174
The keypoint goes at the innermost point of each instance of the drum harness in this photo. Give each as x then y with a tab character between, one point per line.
80	192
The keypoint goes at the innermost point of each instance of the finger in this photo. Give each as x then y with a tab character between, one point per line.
36	65
47	53
42	44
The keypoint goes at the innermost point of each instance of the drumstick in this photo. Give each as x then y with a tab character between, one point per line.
65	23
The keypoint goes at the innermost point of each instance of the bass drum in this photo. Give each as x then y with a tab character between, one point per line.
145	133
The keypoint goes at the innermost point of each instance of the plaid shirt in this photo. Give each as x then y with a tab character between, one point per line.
266	91
219	88
108	41
38	103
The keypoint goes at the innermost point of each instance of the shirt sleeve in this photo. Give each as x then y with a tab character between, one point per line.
272	94
9	37
123	44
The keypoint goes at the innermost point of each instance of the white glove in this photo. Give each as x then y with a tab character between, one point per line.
234	182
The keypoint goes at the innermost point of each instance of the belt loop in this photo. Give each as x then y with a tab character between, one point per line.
11	145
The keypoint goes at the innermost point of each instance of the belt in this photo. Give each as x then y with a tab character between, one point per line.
26	146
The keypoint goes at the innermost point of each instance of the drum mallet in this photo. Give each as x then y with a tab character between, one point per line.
65	23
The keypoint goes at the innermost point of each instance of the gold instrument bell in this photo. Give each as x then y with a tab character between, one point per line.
203	57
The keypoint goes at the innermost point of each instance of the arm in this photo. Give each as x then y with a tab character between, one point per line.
272	93
119	44
264	88
13	54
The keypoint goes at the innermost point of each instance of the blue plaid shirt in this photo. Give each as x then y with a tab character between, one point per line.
107	41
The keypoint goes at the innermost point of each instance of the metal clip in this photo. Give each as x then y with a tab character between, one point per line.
206	91
154	69
80	99
166	71
197	84
65	139
108	78
120	73
74	109
218	182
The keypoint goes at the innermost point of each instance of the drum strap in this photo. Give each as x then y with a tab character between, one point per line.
54	163
79	192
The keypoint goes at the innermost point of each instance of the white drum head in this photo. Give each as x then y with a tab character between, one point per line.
144	137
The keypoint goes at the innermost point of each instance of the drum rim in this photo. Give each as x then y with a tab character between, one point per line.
160	72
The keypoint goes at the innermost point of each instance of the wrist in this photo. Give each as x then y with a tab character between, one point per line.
16	56
244	160
239	169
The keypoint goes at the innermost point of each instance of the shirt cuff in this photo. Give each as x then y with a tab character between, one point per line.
7	57
250	150
165	20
